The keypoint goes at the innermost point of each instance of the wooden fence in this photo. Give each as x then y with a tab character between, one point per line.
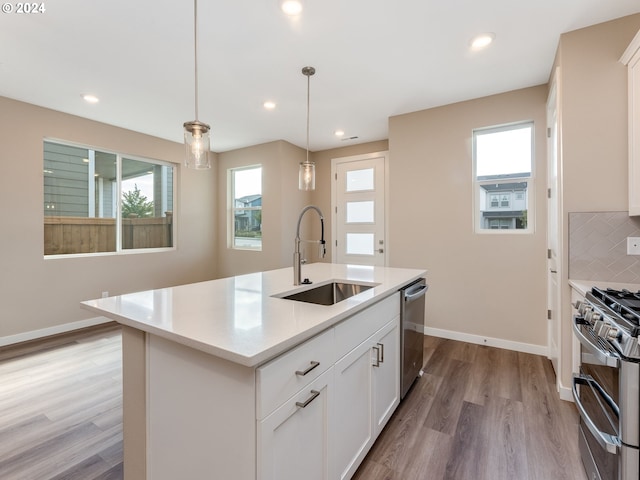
67	235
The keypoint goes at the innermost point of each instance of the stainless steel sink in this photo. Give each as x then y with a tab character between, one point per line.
329	293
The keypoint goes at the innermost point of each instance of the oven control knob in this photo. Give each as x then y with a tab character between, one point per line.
601	329
584	309
613	333
592	317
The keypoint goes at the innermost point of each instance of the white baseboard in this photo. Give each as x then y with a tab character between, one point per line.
565	393
489	341
47	332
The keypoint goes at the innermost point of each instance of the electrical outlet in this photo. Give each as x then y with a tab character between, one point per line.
105	294
633	245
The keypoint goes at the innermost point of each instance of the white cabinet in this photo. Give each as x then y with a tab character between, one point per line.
312	412
295	438
353	425
367	391
293	398
286	375
386	375
631	58
339	407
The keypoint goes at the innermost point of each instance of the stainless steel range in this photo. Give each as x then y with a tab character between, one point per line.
606	390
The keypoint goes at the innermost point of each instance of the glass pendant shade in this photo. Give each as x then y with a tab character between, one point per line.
307	171
197	144
307	176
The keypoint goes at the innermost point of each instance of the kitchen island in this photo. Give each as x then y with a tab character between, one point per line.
227	379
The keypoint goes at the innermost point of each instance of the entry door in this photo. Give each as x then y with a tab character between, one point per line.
553	231
359	206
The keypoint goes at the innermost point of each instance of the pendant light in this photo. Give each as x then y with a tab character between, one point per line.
307	172
196	133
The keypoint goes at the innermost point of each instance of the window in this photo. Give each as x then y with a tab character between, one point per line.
503	174
98	202
246	208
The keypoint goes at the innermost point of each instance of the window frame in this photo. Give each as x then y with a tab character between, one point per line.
528	192
231	208
120	156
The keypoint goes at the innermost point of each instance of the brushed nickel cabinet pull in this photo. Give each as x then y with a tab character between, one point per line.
381	345
377	364
312	365
314	394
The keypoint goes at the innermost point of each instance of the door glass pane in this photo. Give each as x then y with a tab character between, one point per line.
360	244
147	205
360	212
358	180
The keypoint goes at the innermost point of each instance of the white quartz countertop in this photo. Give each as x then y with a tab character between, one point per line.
238	318
583	286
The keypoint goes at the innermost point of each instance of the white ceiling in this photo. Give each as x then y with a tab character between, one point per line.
374	59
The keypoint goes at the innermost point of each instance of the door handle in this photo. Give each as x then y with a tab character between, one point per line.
381	250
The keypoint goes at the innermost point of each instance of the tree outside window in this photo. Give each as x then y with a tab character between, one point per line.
81	203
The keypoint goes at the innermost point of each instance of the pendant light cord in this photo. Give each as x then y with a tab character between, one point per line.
195	51
308	103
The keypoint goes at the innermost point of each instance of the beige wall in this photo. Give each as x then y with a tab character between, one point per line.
40	294
593	123
484	285
281	205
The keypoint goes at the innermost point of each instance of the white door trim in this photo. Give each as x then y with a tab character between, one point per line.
334	198
554	233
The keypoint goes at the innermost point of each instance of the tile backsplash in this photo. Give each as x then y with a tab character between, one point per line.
598	247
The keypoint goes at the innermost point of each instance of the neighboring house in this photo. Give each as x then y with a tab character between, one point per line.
248	220
80	182
503	205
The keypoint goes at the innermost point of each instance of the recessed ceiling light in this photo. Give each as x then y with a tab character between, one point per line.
89	98
291	7
339	133
482	41
269	105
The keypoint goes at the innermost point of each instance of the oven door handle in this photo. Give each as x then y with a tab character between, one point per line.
602	356
607	441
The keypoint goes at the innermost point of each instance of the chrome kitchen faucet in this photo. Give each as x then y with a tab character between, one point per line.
297	260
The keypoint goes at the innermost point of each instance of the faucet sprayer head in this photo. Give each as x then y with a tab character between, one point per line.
323	248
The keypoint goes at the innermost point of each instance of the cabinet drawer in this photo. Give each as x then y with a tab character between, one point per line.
277	380
293	442
354	330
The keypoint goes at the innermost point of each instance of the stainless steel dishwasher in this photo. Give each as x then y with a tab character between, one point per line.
412	339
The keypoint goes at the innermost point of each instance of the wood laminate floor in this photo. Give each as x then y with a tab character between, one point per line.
61	408
478	413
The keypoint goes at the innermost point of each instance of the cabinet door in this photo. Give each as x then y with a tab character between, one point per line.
352	426
293	442
386	374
